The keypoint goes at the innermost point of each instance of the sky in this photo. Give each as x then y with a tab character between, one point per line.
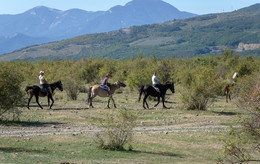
193	6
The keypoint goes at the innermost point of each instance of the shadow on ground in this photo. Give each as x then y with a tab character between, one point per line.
15	150
29	123
160	153
226	113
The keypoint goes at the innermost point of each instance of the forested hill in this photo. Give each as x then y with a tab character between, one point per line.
202	35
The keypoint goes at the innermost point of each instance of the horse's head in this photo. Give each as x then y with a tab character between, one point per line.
59	85
120	84
171	85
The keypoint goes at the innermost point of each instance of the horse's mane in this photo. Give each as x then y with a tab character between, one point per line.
55	82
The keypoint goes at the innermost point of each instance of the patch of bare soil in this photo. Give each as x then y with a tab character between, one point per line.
10	131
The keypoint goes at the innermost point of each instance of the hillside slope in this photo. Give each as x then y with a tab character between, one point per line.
202	35
54	25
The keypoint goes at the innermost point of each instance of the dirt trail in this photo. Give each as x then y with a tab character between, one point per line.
10	131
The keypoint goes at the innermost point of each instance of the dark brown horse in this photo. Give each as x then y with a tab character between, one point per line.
227	91
37	92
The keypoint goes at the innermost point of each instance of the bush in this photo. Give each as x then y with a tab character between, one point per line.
11	95
117	131
200	87
72	89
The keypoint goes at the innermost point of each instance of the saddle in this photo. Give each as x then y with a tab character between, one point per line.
104	88
44	90
157	89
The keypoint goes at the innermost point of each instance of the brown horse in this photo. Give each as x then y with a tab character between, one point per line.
96	90
37	92
227	91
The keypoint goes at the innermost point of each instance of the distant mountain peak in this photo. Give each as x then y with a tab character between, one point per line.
42	10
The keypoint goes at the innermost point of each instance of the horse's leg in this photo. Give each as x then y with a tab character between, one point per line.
37	100
91	97
163	102
113	102
108	102
158	101
29	100
48	97
90	103
227	96
52	101
145	102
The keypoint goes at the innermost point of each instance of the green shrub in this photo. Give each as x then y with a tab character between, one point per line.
200	87
11	95
117	131
72	88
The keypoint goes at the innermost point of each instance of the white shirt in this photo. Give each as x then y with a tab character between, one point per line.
155	80
235	75
42	79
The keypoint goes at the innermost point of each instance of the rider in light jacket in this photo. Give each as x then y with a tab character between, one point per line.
156	83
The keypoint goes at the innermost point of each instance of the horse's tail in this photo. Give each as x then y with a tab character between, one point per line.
141	90
89	93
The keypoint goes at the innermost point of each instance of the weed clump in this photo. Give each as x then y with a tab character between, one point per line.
116	131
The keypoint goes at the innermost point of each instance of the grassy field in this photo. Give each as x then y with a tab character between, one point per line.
65	134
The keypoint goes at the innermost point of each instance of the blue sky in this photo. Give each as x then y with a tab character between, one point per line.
193	6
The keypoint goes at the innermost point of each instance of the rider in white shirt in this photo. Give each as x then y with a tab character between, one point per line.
43	82
156	83
234	77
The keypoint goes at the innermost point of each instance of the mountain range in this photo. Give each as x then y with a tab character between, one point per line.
202	35
42	24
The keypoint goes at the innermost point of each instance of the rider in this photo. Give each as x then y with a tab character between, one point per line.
105	83
156	83
43	82
234	77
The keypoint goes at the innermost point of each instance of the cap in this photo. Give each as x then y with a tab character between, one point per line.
41	72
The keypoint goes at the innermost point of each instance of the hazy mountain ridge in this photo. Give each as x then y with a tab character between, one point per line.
202	35
54	24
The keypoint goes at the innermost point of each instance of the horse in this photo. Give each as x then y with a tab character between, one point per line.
227	91
37	92
96	90
150	90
